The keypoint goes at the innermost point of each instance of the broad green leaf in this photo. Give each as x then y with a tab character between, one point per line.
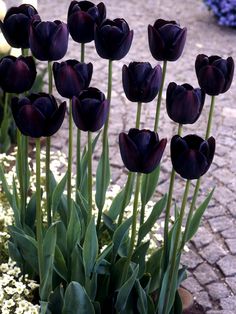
57	193
102	178
5	186
101	259
49	244
142	298
154	268
82	206
149	184
55	303
61	238
14	253
73	232
177	308
90	248
31	212
15	208
149	223
117	271
91	286
77	266
122	199
125	290
76	300
197	216
60	264
182	275
139	257
119	235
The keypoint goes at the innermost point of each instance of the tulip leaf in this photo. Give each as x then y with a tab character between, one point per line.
197	216
31	212
122	199
55	303
153	267
102	256
139	257
77	267
149	184
119	235
125	290
91	286
90	248
151	220
73	232
57	193
102	178
142	298
60	264
5	187
49	245
177	308
76	300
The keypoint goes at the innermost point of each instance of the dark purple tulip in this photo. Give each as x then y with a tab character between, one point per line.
214	74
17	75
90	110
113	39
82	16
141	150
184	103
71	77
166	40
38	114
141	82
48	40
15	26
191	156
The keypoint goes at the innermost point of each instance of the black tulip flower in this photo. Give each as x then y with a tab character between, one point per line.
166	40
141	82
141	150
184	103
15	26
48	40
82	16
113	39
71	77
38	114
17	75
90	110
214	74
191	156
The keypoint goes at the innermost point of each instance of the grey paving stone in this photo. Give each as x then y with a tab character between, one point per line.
220	223
231	243
228	303
229	233
191	259
202	237
205	274
212	252
231	281
220	312
227	265
203	299
191	285
218	291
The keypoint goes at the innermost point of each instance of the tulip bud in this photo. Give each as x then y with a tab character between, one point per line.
48	40
17	75
214	74
15	26
184	103
191	156
166	40
71	77
38	114
113	39
90	110
141	150
141	82
81	19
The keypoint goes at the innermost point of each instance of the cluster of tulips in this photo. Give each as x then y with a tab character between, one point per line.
93	286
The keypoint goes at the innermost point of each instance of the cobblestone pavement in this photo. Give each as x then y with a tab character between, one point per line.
212	256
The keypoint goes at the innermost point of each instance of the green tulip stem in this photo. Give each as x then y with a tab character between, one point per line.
70	152
90	177
48	149
38	211
138	116
135	216
158	108
25	52
20	175
131	174
105	139
173	264
168	207
197	187
78	144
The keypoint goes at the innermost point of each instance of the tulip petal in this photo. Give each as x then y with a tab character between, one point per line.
153	158
129	153
59	42
100	117
53	124
230	74
156	44
211	80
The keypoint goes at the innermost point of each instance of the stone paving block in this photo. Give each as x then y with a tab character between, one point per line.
228	303
223	195
227	265
231	243
220	312
220	223
202	237
229	233
231	281
212	252
215	211
191	285
218	290
191	259
202	299
205	274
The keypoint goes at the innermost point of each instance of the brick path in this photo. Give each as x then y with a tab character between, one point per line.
212	258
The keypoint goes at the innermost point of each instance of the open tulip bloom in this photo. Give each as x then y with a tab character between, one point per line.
86	259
